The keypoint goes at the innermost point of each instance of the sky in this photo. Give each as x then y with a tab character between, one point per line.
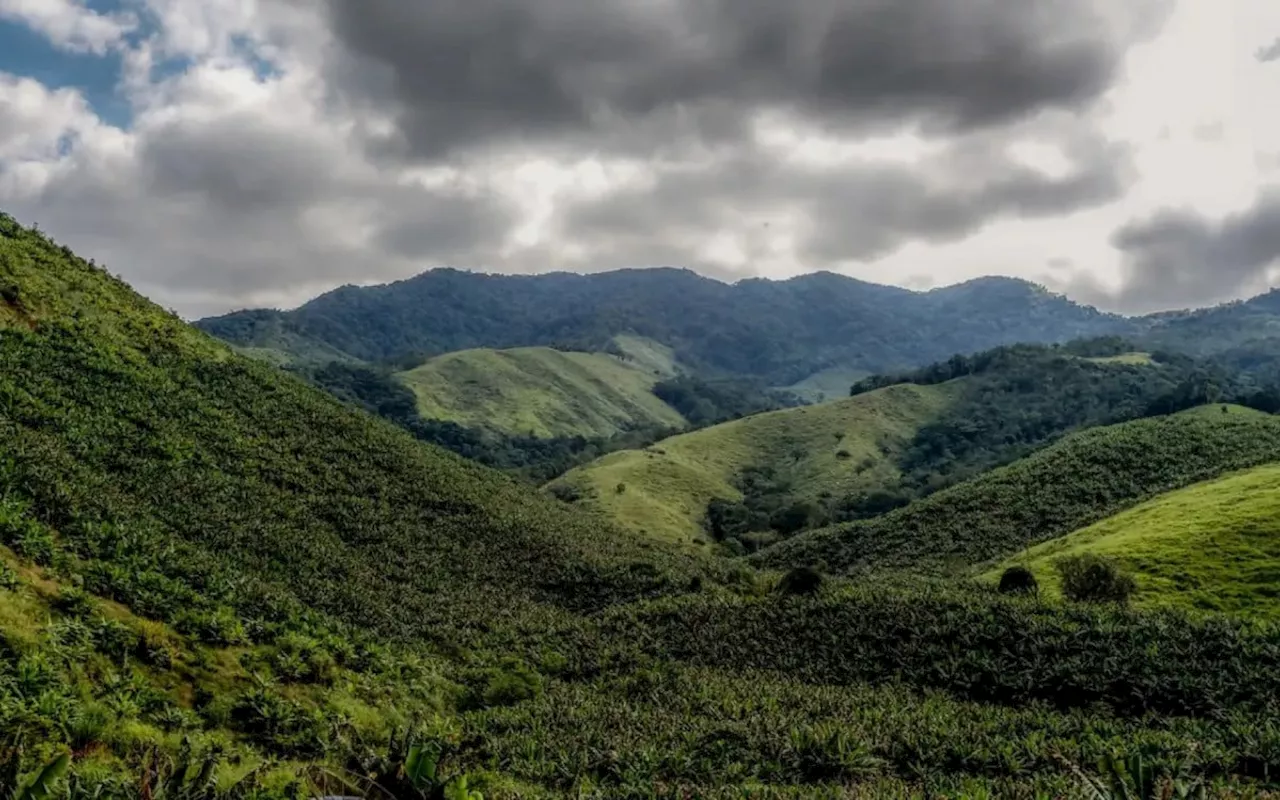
223	154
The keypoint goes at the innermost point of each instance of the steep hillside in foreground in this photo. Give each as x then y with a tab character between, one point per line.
1212	546
540	392
830	450
1084	478
778	331
115	413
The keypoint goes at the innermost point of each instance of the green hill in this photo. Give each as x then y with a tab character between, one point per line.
817	452
217	582
540	392
1082	479
1211	546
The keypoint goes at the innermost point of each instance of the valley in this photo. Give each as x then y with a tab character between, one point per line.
264	575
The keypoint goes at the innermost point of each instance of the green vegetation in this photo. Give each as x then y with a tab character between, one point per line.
218	582
820	452
1212	546
828	384
539	392
779	332
1081	479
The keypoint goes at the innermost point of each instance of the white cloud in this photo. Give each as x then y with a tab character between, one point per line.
70	24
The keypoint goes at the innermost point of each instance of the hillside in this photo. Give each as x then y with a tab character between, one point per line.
1081	479
217	582
781	332
1212	546
817	452
540	392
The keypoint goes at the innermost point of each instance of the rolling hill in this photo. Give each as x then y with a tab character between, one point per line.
1073	483
780	332
218	582
1212	546
540	392
822	451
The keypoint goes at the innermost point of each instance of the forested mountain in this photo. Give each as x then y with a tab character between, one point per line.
780	331
219	582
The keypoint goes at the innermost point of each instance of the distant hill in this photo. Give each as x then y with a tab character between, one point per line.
1082	479
806	455
778	331
540	392
897	439
1214	546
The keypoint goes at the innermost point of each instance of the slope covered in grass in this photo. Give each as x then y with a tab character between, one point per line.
540	392
1083	478
1211	546
217	582
827	450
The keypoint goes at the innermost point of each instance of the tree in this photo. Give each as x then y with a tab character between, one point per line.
1019	580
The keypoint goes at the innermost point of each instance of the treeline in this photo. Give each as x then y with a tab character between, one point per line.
705	402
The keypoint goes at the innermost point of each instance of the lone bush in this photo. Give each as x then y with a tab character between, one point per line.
1089	578
800	582
1018	580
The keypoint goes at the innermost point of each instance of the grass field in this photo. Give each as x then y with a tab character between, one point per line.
542	392
648	355
829	384
1212	546
839	448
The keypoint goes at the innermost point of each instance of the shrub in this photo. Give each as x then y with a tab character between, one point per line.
512	683
1018	580
801	581
1089	578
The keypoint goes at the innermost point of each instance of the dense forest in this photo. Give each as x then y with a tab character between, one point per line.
218	581
780	332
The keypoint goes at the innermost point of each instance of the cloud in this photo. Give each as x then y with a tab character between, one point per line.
1269	53
209	204
280	148
1179	258
70	24
640	76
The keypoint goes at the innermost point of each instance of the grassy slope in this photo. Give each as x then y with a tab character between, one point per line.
1132	359
1214	545
652	357
669	484
1082	479
540	392
112	409
829	384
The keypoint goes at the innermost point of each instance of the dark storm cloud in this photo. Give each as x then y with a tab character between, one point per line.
1179	258
461	72
1270	53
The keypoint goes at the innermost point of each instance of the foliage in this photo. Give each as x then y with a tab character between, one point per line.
1083	478
801	581
1089	578
708	402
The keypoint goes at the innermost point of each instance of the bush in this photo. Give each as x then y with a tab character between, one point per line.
1089	578
801	581
1018	580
